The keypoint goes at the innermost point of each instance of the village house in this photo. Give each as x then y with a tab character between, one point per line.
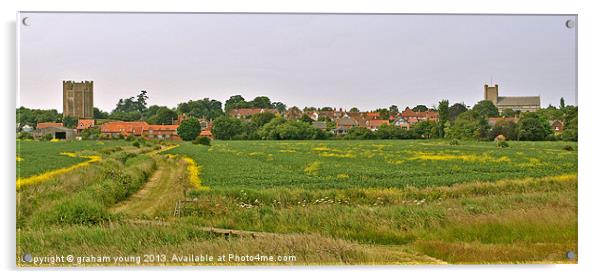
402	123
161	132
557	126
83	124
26	128
320	125
413	117
374	124
206	131
244	113
293	113
115	129
343	124
372	115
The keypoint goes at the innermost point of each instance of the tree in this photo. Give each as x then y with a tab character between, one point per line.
425	129
383	113
509	112
163	116
420	108
394	110
263	118
189	129
126	116
354	109
296	130
530	129
359	133
443	109
455	110
131	108
32	117
533	126
141	101
205	108
469	125
268	131
235	102
99	114
69	122
486	108
570	123
306	109
280	107
261	102
504	127
326	109
305	118
561	103
226	128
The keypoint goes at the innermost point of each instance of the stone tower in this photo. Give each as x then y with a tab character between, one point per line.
78	99
491	93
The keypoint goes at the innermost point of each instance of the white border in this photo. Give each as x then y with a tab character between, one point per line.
589	151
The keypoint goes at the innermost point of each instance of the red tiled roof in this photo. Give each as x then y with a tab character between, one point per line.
429	114
134	127
376	123
43	125
372	115
206	133
85	124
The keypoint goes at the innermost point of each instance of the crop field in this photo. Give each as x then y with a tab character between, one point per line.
324	202
390	164
35	157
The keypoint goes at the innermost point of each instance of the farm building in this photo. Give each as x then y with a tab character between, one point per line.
43	125
142	129
116	128
57	132
167	132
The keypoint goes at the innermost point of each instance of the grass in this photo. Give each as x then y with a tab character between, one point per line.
325	202
381	163
37	157
159	195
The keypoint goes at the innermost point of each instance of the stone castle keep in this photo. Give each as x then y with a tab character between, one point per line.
78	99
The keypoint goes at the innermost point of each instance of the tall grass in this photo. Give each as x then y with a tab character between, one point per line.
82	197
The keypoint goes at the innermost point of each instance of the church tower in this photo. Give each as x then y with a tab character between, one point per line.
491	93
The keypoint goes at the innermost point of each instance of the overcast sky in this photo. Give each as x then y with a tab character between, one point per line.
364	61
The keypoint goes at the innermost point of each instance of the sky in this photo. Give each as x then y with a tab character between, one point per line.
341	61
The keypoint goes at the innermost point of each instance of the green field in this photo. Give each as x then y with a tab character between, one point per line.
326	202
37	157
379	163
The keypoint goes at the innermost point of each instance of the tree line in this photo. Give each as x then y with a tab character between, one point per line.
455	121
